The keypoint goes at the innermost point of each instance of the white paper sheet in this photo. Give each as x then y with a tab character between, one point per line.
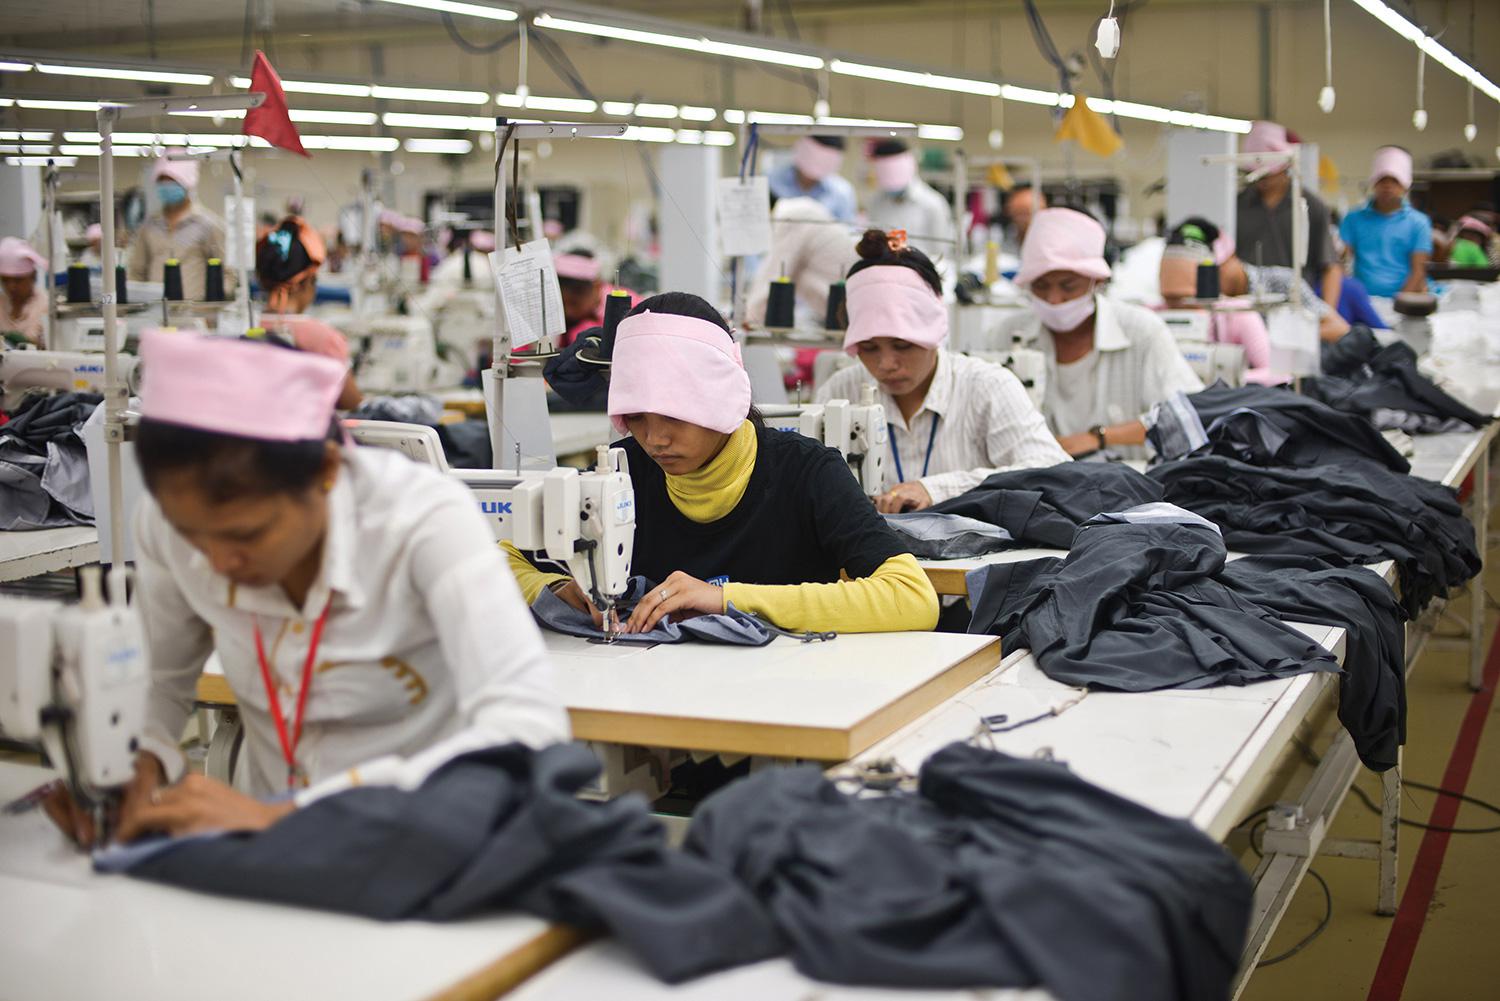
744	216
529	292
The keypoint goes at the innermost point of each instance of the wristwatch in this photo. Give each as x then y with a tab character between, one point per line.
1098	432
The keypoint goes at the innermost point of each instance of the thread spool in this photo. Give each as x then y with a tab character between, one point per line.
835	318
781	305
122	286
1208	280
991	262
213	281
171	281
468	268
616	308
78	283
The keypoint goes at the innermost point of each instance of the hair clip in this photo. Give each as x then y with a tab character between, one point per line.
896	239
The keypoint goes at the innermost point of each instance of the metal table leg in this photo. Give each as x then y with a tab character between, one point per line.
1390	833
1481	501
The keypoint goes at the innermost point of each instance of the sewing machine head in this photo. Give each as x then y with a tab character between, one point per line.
69	371
858	431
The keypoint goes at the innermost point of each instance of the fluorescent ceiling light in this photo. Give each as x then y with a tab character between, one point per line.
128	138
690	113
117	150
692	137
10	67
104	73
649	134
946	133
430	94
1028	95
366	144
656	110
1412	33
983	88
452	7
461	123
867	123
311	87
334	117
28	148
27	136
718	138
6	102
697	44
438	146
41	161
58	105
620	109
775	118
572	104
228	113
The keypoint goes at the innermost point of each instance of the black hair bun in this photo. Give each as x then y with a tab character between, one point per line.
874	245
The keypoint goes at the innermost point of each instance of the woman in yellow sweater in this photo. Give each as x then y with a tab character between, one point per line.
729	511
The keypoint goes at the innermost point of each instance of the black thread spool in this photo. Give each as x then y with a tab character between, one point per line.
78	283
616	308
835	319
781	305
213	281
1208	280
171	281
122	286
468	269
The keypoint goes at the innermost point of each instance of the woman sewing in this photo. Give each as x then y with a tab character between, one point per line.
953	419
728	511
353	597
23	309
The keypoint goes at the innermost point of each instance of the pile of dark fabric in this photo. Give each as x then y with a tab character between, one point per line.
1145	601
1275	426
44	465
466	444
997	872
1044	507
1383	385
500	829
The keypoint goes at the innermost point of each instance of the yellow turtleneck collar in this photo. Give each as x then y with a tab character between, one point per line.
710	493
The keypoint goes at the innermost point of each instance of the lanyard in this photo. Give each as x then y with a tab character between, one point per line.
289	744
896	454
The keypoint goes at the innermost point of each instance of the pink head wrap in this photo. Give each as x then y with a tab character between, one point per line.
1267	137
1393	162
312	336
184	172
238	387
889	300
1477	225
94	232
576	267
680	367
483	241
815	161
18	260
1062	240
895	173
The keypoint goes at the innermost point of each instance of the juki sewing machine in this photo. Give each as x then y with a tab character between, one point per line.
76	371
74	682
858	431
1209	360
401	356
583	520
1027	364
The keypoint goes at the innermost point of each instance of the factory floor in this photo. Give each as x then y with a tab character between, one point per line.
1444	944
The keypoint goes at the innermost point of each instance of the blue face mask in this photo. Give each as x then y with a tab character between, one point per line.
171	193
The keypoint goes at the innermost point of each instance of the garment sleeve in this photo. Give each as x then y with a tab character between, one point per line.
897	597
1015	436
178	643
491	646
139	268
1248	330
530	580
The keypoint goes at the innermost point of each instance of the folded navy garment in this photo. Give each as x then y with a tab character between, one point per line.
1317	434
733	627
1044	507
935	536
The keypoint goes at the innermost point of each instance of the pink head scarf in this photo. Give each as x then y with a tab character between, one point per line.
815	161
576	267
312	335
483	241
1477	225
680	367
184	172
238	387
1393	162
1268	137
890	300
894	174
95	232
18	260
1062	240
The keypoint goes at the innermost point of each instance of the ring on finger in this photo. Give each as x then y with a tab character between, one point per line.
155	796
662	594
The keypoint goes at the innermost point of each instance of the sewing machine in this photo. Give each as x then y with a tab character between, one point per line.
400	356
1209	360
858	431
77	371
74	682
583	520
1027	364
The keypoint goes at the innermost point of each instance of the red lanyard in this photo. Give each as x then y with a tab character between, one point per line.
289	744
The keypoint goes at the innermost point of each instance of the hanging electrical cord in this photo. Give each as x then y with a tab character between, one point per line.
809	80
1374	807
1308	939
1326	97
475	48
1048	48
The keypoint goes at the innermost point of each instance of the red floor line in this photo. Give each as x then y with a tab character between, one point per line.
1411	914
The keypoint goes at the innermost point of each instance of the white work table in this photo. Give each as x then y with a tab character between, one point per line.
76	934
27	554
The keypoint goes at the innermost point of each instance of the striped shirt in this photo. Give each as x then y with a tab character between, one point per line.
191	241
976	416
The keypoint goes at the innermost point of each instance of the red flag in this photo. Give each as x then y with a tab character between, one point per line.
271	121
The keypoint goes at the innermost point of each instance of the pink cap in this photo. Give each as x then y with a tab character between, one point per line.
1062	240
483	241
18	260
889	300
184	172
238	388
1393	162
1267	137
576	267
680	367
1477	225
895	173
815	161
94	232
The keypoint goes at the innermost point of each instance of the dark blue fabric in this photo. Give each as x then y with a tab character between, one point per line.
733	627
1355	305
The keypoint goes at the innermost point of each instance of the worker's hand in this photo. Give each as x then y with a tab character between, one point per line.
573	595
1084	443
680	594
78	823
196	804
910	496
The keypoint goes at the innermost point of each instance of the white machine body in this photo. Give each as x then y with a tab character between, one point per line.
400	356
1027	364
74	371
1211	361
857	431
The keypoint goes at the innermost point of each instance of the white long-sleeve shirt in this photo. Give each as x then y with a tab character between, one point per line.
925	215
976	415
429	650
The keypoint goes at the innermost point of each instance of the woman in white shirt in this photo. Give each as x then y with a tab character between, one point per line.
360	610
953	420
1108	363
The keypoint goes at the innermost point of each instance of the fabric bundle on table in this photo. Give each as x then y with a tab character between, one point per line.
500	829
733	627
44	465
998	872
1383	385
466	444
1144	601
1311	433
935	536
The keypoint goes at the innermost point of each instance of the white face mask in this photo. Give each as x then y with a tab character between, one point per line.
1064	316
